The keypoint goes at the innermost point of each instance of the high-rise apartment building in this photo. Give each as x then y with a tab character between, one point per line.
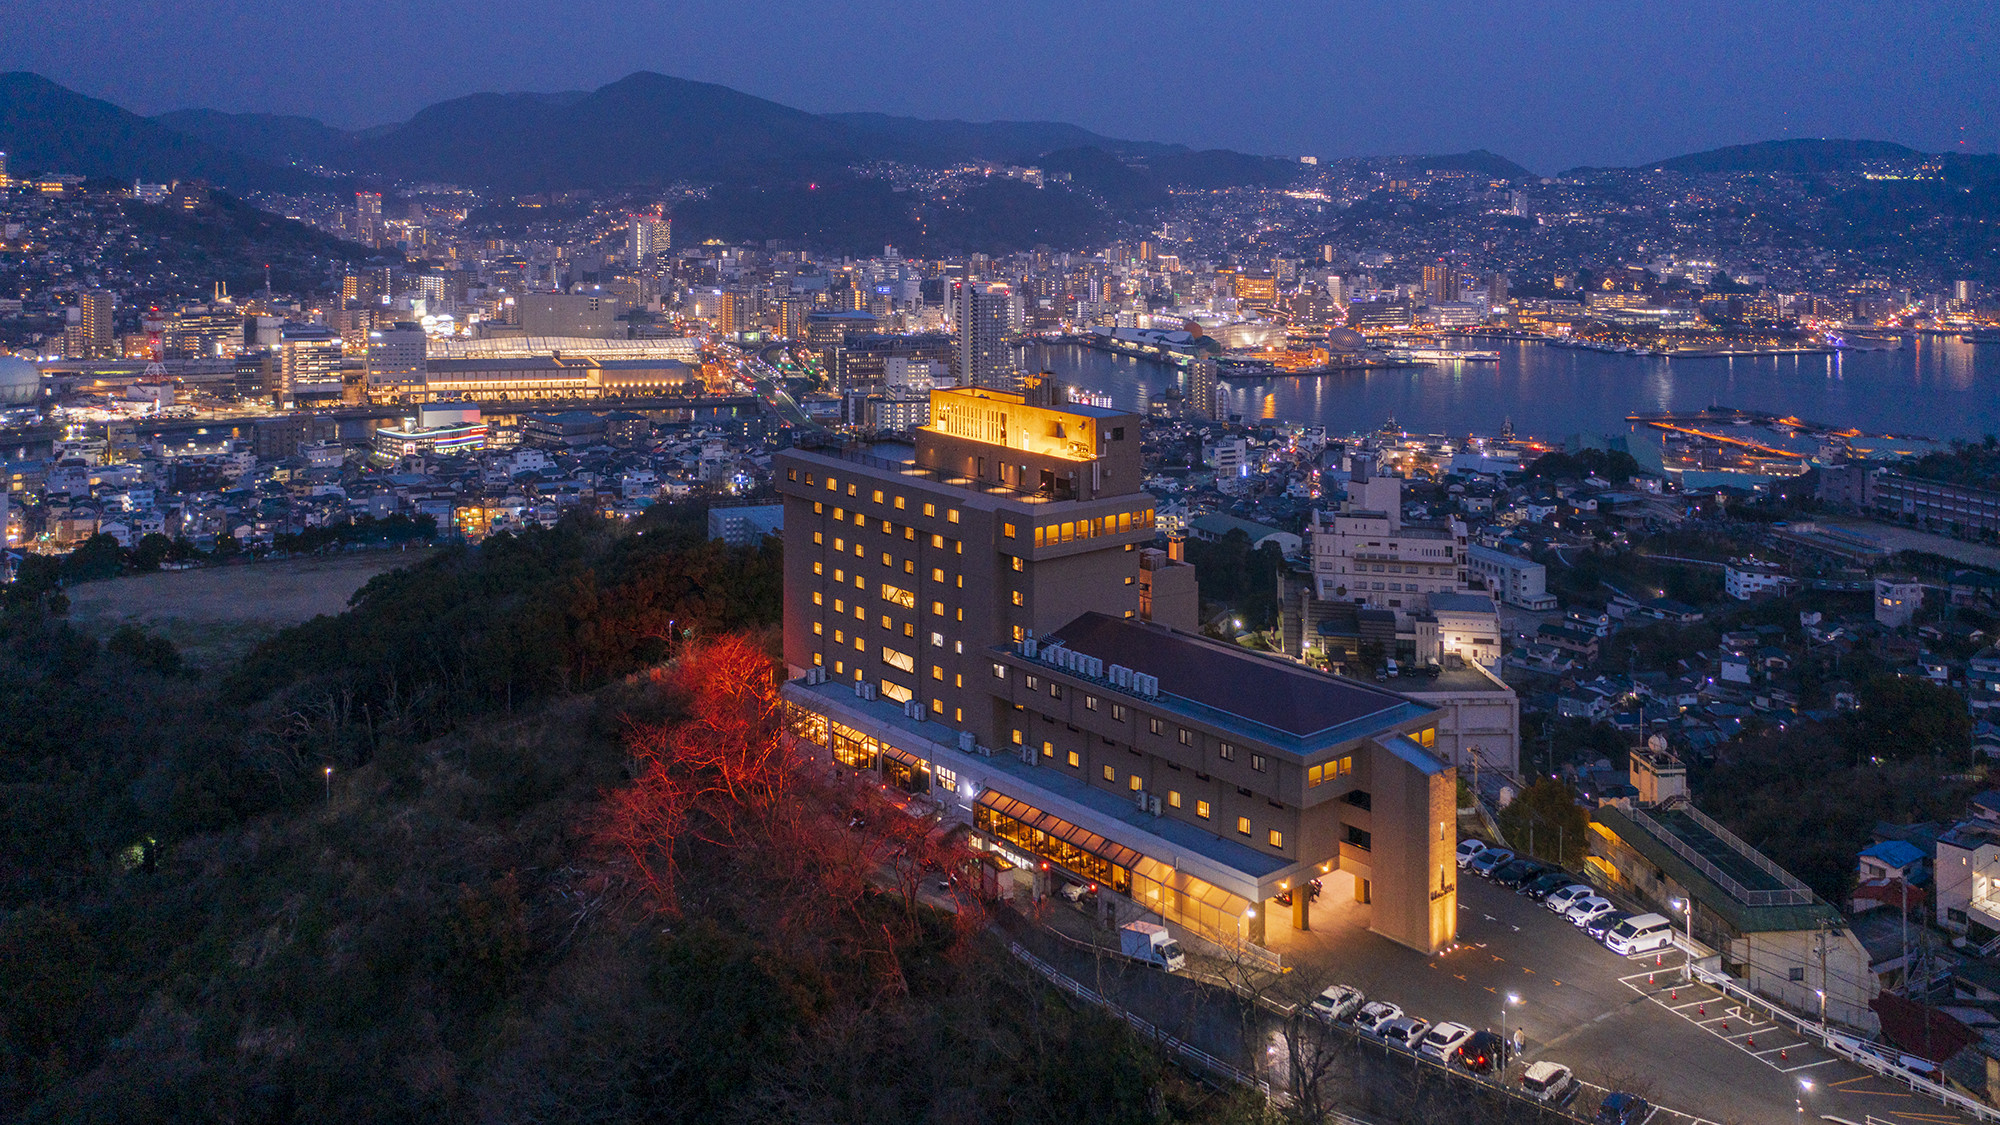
972	622
368	218
647	235
91	336
1441	282
981	316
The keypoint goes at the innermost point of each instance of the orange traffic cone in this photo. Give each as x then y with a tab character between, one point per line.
1725	1025
1649	980
1782	1056
1752	1040
1674	994
1657	960
1702	1010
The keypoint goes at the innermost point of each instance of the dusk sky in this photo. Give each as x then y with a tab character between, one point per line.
1551	85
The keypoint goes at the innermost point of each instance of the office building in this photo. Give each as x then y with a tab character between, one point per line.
587	314
980	316
396	359
974	621
309	363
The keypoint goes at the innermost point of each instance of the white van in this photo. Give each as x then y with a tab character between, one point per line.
1642	934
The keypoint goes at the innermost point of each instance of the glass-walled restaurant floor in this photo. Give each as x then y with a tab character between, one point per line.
1208	910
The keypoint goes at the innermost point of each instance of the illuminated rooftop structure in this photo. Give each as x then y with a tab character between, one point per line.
1068	451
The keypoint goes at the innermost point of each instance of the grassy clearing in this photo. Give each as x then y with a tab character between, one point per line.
217	614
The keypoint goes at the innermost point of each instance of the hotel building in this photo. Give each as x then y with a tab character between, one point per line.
970	622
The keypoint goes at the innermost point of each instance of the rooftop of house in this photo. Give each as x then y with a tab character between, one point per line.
1894	853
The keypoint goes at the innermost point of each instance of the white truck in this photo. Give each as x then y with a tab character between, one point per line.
1150	942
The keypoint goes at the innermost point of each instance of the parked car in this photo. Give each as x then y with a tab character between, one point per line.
1481	1053
1549	1082
1374	1014
1077	892
1587	909
1484	863
1560	901
1597	927
1520	871
1338	1002
1444	1040
1405	1032
1467	849
1643	934
1539	888
1621	1108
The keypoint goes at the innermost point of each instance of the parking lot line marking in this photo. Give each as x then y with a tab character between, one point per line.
1879	1093
1793	1047
1489	989
1806	1066
1845	1081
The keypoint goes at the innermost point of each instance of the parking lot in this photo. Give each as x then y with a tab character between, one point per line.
1627	1024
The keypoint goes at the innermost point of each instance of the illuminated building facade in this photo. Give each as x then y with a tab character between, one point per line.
970	621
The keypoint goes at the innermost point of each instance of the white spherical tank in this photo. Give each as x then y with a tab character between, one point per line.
19	381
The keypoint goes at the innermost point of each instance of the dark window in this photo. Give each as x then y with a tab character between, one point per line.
1242	791
1360	799
1358	837
1275	804
1797	973
1117	433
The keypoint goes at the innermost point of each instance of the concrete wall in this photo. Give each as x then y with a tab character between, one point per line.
1414	884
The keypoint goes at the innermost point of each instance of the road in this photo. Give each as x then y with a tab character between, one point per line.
765	381
1620	1024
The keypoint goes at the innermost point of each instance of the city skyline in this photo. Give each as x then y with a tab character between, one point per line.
1551	89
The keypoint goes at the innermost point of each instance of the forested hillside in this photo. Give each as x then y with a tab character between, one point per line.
447	857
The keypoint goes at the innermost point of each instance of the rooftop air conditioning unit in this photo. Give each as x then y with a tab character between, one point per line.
965	742
1093	667
1121	675
1030	647
1143	803
1156	806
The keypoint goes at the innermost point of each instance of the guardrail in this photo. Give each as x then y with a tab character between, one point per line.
1846	1046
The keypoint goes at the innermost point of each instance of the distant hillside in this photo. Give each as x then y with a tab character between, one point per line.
47	128
1094	170
1803	156
1478	160
270	137
1217	168
1012	141
643	129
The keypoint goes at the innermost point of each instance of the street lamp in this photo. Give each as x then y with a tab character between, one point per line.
1687	905
1506	1044
329	787
1805	1087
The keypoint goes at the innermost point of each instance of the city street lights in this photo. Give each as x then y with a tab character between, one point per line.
329	787
1805	1087
1506	1044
